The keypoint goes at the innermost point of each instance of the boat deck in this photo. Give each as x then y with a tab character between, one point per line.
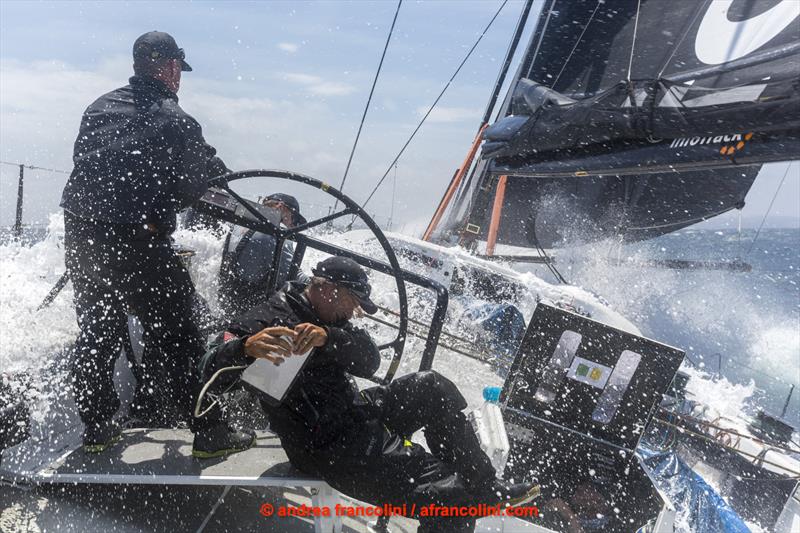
163	456
150	479
150	482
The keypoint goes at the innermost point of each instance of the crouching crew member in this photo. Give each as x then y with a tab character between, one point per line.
359	442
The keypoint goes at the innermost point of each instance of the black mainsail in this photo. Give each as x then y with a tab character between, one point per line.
634	118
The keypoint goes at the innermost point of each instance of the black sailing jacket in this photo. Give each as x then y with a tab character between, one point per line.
323	405
138	158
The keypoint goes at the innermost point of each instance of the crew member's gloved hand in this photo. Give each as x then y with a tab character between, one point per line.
269	344
309	336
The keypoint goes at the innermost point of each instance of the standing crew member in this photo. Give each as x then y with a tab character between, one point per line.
139	159
358	442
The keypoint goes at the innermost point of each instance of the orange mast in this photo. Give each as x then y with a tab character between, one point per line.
497	210
454	183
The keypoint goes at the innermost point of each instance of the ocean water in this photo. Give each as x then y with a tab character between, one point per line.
740	330
743	326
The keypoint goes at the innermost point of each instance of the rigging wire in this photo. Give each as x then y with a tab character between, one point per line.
580	38
394	193
529	65
476	167
683	429
739	236
421	122
547	261
422	335
510	53
369	100
702	7
752	244
633	43
31	167
721	429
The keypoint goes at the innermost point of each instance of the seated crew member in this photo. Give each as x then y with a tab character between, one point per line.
247	260
358	441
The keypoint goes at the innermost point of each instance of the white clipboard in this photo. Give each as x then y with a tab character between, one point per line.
275	381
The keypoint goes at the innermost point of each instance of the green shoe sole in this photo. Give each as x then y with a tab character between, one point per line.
101	447
529	496
200	454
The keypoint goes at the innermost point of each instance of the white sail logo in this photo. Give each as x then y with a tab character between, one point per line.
720	40
737	142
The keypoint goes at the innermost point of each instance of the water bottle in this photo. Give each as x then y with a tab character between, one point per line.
491	430
492	394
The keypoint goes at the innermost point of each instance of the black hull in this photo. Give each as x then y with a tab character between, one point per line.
637	158
552	211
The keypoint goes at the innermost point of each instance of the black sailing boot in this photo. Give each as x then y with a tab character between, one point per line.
506	493
219	440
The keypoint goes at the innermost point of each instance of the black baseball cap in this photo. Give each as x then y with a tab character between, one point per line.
155	45
290	202
349	274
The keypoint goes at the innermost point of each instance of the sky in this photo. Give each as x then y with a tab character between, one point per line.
280	85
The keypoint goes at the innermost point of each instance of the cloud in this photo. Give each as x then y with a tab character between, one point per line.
331	89
41	104
450	114
317	85
288	47
252	126
302	79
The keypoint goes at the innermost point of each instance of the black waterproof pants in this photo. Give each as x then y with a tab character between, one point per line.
118	269
378	465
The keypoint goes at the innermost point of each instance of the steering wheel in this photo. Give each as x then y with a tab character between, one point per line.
255	220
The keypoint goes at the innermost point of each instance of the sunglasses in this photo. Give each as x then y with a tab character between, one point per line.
354	287
352	292
155	54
